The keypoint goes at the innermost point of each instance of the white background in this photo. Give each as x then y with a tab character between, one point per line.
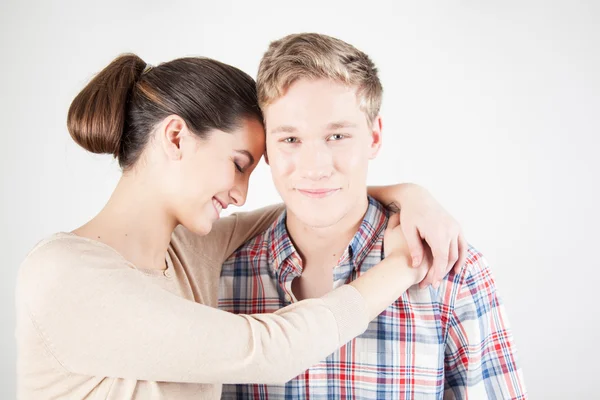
492	105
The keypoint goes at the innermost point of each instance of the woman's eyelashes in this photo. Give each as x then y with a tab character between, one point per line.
242	165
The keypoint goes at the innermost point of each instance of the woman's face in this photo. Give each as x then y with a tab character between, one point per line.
213	173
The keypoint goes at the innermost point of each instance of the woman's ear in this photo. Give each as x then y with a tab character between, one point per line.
170	135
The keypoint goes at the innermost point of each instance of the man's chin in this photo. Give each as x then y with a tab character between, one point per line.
320	219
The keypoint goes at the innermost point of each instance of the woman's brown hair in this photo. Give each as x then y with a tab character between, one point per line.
118	109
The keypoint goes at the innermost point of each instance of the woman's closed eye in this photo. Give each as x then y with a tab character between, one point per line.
243	161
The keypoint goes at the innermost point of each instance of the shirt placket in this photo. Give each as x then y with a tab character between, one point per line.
290	270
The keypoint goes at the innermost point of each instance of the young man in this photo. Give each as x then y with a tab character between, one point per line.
321	98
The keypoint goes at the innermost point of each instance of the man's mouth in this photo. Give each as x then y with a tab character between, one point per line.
318	193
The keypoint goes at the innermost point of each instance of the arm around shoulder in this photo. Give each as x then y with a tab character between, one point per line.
229	233
105	319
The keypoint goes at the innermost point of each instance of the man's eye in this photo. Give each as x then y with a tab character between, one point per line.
291	140
337	136
237	166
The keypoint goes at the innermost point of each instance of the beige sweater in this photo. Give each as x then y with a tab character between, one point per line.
92	326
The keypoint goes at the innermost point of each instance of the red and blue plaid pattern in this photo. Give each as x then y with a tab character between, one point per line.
453	342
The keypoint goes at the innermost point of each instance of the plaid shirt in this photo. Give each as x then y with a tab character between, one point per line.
453	342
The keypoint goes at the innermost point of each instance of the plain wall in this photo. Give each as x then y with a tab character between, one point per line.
492	105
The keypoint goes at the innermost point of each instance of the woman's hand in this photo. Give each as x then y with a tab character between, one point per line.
427	226
396	246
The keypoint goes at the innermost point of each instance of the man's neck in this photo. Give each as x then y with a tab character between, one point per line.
325	245
321	248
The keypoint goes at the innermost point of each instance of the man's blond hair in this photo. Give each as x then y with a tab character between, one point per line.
316	56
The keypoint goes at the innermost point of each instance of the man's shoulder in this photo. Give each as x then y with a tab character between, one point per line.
252	250
473	280
378	207
475	265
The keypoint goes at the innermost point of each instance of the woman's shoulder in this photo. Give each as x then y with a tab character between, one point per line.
66	248
61	262
62	254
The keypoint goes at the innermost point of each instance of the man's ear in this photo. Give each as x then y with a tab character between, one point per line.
170	135
266	136
376	137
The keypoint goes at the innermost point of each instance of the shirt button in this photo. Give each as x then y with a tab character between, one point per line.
167	273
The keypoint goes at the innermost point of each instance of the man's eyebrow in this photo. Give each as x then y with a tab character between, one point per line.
340	125
330	127
283	129
247	154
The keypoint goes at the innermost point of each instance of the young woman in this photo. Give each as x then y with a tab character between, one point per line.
121	308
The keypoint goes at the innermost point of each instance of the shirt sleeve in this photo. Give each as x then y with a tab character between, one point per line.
102	318
480	356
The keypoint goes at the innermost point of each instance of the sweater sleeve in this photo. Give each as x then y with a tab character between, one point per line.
228	233
99	317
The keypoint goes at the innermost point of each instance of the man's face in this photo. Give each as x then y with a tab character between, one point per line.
319	144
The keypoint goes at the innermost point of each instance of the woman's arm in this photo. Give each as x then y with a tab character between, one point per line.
107	319
423	219
228	233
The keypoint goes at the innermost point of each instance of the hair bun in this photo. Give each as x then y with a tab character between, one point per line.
97	114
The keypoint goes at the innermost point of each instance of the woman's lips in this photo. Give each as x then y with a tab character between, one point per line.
218	206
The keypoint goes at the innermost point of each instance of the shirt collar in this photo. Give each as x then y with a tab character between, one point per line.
280	244
374	222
